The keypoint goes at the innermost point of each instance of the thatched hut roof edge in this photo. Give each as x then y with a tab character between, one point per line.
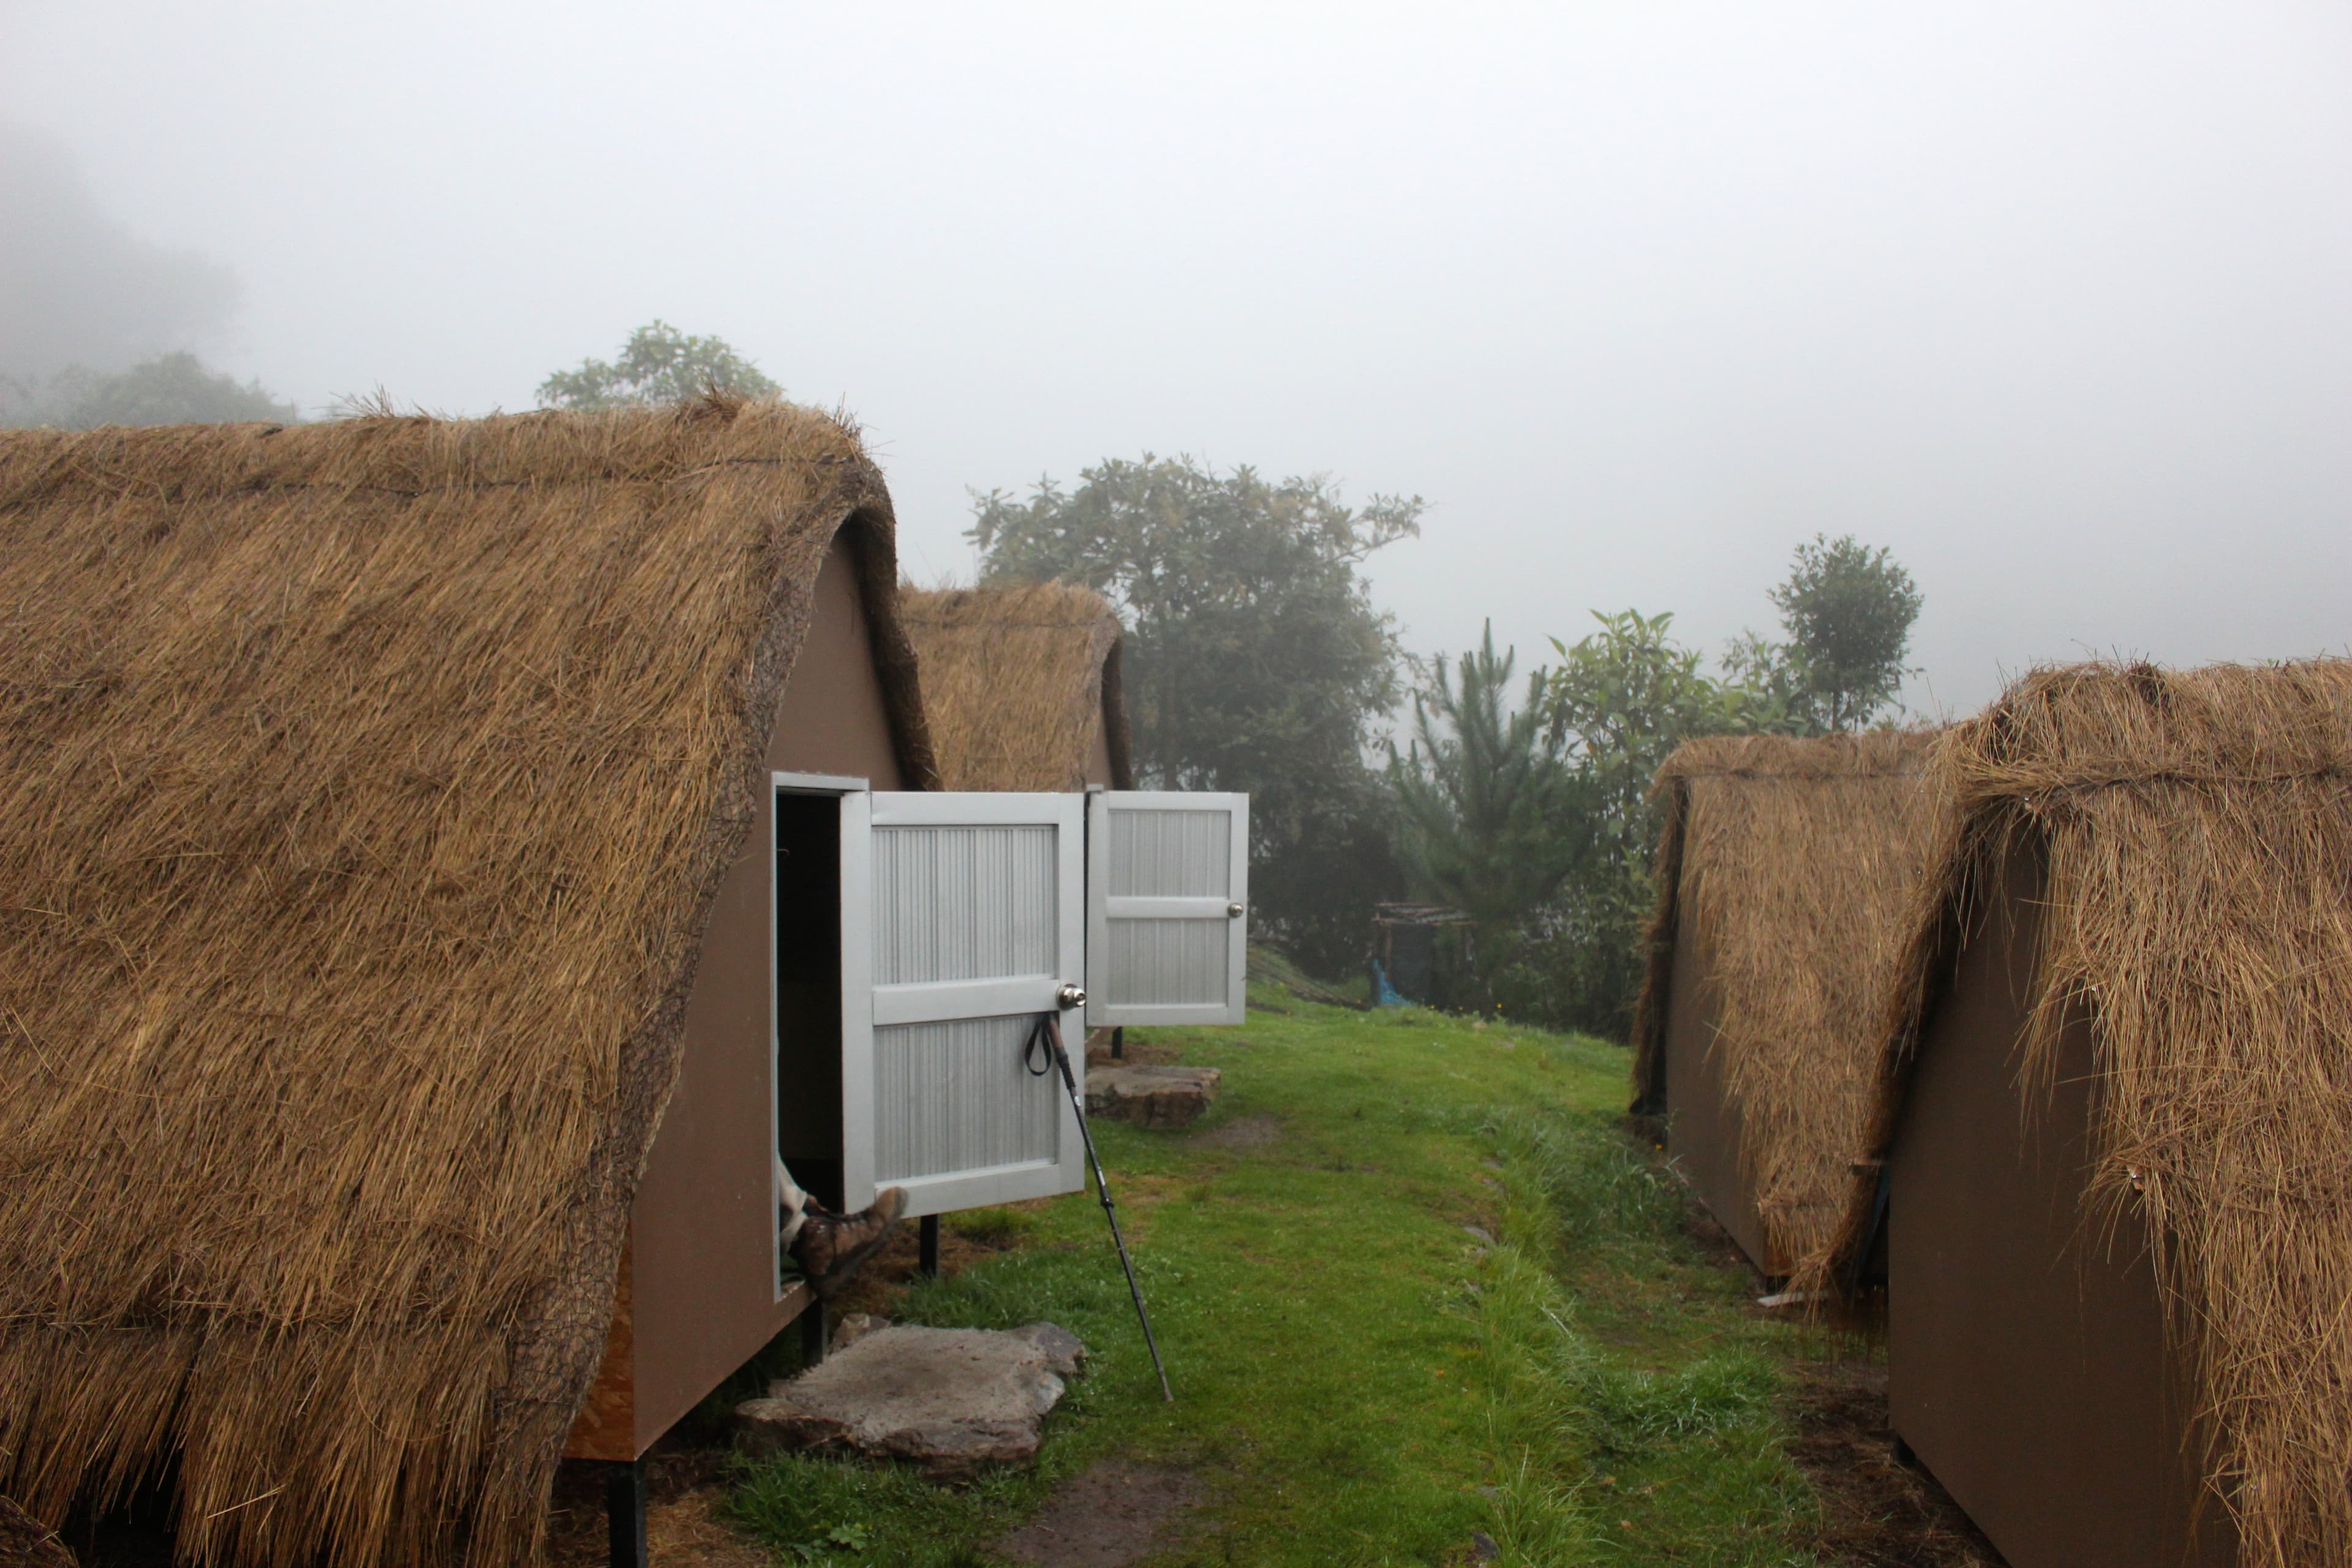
363	790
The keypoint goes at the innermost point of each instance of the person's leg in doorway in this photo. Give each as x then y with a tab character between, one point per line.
828	1247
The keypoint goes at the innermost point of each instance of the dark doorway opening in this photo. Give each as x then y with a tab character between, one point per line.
808	991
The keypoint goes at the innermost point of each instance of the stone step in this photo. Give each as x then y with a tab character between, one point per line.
1151	1096
951	1401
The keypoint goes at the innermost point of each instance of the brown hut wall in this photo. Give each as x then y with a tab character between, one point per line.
703	1226
1098	769
2028	1361
606	1427
1117	738
1702	1120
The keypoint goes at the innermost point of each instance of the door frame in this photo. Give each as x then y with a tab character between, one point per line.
852	795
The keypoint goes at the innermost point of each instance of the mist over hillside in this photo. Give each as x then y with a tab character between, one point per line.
77	287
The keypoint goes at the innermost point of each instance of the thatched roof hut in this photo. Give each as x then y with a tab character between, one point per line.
366	789
2114	1100
1782	871
1023	685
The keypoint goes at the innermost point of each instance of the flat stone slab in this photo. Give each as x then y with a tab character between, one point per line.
952	1402
1151	1096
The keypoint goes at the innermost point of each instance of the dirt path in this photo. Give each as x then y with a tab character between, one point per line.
1107	1517
1877	1512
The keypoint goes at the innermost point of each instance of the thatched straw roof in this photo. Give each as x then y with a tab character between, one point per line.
25	1543
1792	861
2198	835
363	790
1021	684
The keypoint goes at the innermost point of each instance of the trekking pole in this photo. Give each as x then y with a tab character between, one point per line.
1049	1029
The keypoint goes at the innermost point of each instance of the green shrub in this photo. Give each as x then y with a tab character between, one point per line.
1621	1410
1607	1458
1600	1188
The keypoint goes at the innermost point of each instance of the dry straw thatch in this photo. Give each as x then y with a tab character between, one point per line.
1020	683
363	791
1793	862
2197	830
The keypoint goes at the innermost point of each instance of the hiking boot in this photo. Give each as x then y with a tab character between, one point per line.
830	1247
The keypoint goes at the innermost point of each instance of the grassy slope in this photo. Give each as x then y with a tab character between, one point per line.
1360	1378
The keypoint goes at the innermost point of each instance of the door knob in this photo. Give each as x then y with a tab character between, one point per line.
1233	911
1070	996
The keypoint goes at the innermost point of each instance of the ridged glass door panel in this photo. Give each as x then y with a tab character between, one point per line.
977	919
1168	897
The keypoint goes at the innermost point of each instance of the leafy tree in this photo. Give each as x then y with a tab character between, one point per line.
1622	699
1255	658
658	364
1848	610
1616	705
1322	857
169	389
1484	798
1773	673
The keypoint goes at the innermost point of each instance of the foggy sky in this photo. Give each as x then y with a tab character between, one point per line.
76	286
2054	299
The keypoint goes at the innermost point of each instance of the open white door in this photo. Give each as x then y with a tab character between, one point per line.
976	905
1166	906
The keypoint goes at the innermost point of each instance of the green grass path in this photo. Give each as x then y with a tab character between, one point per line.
1361	1377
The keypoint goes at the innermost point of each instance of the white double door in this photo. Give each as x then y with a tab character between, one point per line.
963	916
